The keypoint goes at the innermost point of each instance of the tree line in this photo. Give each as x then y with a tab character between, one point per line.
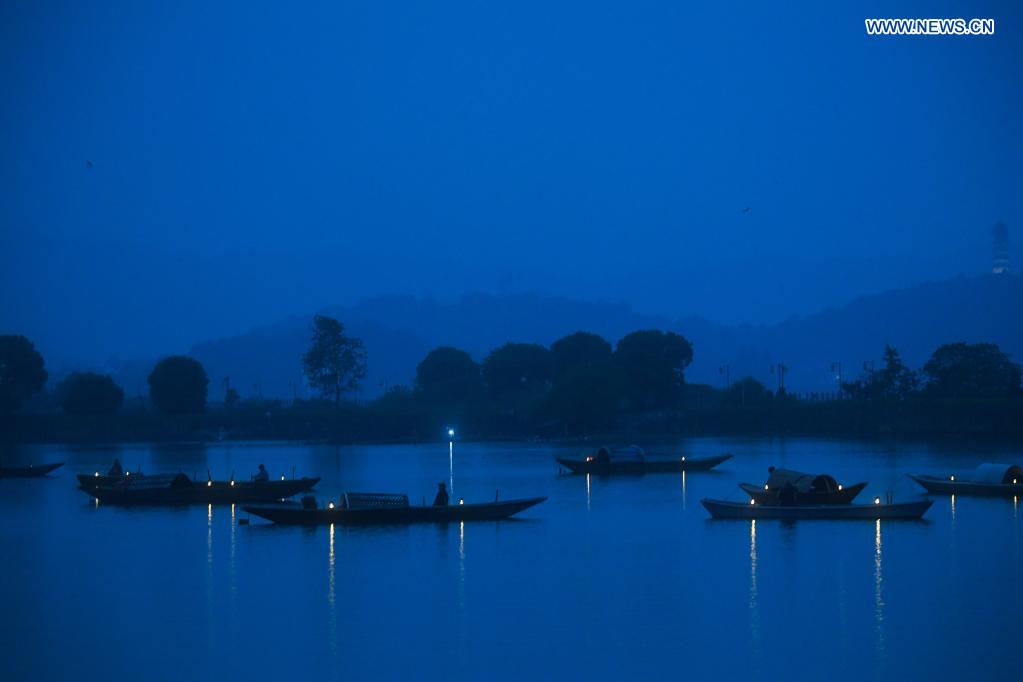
581	383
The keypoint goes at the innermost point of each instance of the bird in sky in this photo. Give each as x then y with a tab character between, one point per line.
746	210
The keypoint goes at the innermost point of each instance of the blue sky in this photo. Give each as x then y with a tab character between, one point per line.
252	161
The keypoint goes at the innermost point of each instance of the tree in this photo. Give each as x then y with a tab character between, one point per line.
89	394
586	397
335	363
654	363
448	375
978	370
895	381
178	385
581	349
747	391
22	372
231	398
516	373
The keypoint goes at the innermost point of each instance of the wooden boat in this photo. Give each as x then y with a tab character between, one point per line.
378	508
31	471
987	479
174	489
724	509
632	460
807	488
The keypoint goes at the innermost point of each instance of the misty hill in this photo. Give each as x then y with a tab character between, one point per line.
399	330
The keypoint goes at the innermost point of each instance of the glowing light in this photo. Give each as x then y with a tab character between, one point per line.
330	505
1014	481
96	474
766	487
589	458
877	500
461	501
127	473
951	478
683	458
752	501
209	484
232	483
839	486
451	433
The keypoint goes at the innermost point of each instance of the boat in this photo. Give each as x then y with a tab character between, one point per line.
31	471
808	488
725	509
387	508
175	489
632	460
986	479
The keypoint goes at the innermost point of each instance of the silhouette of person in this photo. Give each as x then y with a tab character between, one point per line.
787	496
262	474
442	496
115	468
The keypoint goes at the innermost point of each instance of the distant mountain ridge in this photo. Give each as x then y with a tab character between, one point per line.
399	330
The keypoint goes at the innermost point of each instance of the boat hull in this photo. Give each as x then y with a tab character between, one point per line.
723	509
201	492
581	466
488	511
943	486
844	496
31	471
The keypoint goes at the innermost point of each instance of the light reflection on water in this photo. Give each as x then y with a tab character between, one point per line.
633	579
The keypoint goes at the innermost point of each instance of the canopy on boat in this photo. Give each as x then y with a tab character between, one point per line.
630	453
156	481
998	473
804	483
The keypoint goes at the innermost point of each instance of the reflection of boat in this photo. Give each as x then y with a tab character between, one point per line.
987	479
31	471
180	489
808	488
379	508
632	460
723	509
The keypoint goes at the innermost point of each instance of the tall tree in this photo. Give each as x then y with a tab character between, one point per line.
654	363
22	372
516	373
88	393
895	381
178	385
579	350
335	363
448	376
977	370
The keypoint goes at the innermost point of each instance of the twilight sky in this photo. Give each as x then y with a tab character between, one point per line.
178	171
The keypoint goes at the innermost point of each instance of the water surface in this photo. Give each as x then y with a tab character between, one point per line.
621	578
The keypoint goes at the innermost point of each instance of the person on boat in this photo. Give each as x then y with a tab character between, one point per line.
115	469
787	495
262	474
442	496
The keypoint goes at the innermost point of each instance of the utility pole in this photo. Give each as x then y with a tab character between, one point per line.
780	369
836	368
727	371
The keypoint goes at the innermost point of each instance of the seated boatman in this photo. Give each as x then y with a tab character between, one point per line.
442	496
115	469
262	474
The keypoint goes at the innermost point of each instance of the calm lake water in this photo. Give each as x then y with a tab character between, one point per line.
616	578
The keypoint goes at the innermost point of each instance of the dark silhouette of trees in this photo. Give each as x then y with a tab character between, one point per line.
895	381
581	349
178	385
448	376
22	372
88	393
517	373
654	365
231	398
335	363
978	370
747	391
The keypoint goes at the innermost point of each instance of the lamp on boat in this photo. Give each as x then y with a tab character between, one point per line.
330	505
232	483
461	500
96	474
683	458
766	487
877	500
589	458
752	501
451	433
209	484
951	478
839	486
282	477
